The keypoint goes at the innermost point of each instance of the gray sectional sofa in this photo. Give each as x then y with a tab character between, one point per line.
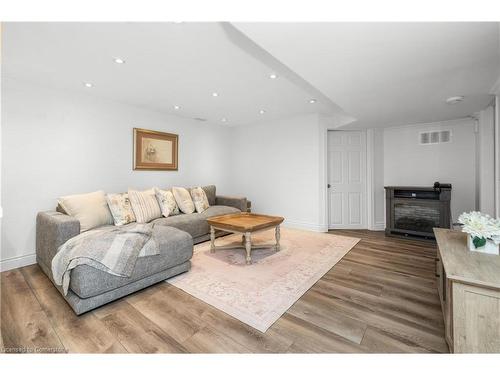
90	288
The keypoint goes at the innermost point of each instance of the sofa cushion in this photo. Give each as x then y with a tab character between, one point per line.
219	210
120	208
195	224
200	199
210	192
176	247
145	205
183	199
167	202
91	209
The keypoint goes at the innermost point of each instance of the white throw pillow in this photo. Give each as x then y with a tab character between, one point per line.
200	199
167	202
90	209
144	205
183	199
121	209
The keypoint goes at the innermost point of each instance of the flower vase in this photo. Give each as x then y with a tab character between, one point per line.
489	247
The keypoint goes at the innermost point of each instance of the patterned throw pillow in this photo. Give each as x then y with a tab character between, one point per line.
144	205
167	202
183	199
200	199
120	208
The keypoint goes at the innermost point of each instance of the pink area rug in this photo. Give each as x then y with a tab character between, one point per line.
259	293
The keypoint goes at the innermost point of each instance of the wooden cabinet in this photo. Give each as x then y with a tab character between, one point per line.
440	277
476	319
469	289
445	295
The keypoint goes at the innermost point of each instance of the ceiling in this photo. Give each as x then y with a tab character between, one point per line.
166	65
387	74
369	74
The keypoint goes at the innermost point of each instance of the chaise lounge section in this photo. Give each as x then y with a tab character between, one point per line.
90	288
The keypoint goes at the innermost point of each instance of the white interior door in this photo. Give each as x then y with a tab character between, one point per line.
347	179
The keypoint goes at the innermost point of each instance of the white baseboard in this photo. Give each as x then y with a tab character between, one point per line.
16	262
305	225
347	227
324	228
378	226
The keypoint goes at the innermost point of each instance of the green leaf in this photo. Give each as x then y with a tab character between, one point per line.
479	242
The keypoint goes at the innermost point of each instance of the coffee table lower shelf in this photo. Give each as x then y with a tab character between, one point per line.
246	241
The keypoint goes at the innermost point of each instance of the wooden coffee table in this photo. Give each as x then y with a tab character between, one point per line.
245	224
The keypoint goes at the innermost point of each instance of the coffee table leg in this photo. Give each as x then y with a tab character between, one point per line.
248	247
277	233
212	239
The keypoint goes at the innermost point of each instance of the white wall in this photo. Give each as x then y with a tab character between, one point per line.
276	164
377	158
497	154
56	143
486	155
1	208
406	163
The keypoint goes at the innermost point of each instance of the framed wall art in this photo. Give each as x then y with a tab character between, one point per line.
155	150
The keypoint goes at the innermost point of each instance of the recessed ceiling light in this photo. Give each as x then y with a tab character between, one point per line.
223	119
176	107
262	111
178	21
214	94
88	84
273	76
119	60
454	99
312	101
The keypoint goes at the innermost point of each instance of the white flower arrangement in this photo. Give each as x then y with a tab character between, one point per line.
480	227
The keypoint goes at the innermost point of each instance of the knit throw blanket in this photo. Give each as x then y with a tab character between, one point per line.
111	249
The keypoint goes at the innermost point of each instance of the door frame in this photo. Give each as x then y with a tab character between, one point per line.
324	207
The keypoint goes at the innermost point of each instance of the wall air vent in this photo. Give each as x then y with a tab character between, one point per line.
445	136
435	137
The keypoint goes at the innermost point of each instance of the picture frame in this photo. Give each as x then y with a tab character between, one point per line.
154	150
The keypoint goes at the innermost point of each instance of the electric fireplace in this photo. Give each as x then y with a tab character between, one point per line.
414	211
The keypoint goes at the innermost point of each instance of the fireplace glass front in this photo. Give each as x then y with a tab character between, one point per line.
416	217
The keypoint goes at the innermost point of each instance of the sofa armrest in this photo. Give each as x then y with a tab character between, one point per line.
237	202
52	230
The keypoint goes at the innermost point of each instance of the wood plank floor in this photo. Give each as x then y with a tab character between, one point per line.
381	297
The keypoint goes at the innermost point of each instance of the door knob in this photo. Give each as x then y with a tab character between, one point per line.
328	186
